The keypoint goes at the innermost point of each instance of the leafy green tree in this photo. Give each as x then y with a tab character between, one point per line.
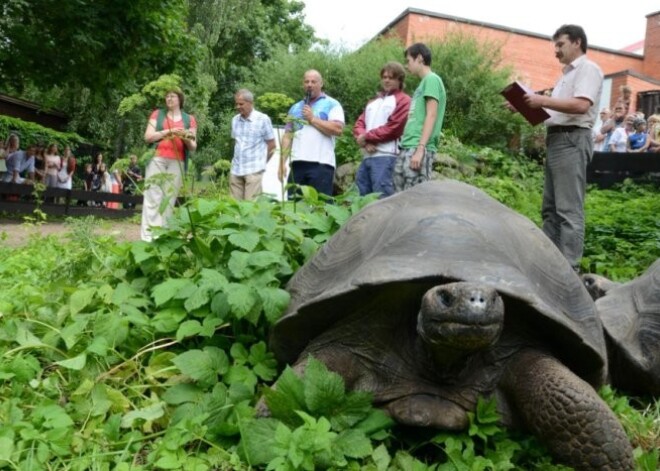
98	44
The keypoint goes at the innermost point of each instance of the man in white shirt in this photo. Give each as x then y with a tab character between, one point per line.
572	107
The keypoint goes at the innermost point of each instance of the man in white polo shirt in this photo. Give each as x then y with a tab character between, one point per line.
309	140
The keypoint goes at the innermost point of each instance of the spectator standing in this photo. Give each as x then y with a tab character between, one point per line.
309	138
254	145
572	107
53	164
654	133
11	145
378	130
615	121
598	137
133	176
173	134
619	140
419	142
67	169
39	164
98	160
638	140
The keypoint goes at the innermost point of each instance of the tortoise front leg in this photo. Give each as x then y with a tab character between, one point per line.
566	414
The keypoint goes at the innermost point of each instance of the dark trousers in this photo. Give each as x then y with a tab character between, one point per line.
319	176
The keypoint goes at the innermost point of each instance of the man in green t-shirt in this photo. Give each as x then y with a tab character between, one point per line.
419	142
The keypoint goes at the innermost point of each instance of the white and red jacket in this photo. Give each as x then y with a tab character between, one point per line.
383	120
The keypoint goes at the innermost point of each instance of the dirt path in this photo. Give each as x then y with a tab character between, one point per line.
14	232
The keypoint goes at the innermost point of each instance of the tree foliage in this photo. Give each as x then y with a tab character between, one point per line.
98	44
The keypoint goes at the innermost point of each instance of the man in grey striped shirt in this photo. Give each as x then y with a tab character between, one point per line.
254	144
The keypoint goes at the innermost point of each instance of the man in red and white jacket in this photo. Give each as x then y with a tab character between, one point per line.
378	129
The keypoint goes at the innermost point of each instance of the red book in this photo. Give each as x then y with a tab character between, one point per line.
514	94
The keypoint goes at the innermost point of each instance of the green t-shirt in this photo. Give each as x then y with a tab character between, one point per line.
432	87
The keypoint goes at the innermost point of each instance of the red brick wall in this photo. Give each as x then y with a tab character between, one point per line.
652	45
532	57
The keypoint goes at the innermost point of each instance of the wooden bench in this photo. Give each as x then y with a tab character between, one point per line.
24	199
608	168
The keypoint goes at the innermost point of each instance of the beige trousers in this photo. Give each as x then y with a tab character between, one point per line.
246	187
160	193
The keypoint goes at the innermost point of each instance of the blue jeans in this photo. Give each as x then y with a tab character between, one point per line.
319	176
375	176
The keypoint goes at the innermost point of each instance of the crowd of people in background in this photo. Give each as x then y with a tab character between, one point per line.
623	131
39	164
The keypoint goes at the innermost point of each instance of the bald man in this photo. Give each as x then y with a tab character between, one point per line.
309	139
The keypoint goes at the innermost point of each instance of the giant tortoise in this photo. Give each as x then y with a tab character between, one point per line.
630	313
438	295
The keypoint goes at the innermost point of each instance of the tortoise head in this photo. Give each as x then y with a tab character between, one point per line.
460	318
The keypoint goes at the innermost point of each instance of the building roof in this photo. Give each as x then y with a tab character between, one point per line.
508	29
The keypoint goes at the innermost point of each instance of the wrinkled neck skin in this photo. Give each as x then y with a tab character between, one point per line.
443	357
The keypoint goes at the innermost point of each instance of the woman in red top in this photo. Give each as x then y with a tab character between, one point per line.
171	140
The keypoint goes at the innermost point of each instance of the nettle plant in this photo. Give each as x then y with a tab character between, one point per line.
135	353
154	356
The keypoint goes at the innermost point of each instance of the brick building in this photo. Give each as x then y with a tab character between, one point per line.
532	54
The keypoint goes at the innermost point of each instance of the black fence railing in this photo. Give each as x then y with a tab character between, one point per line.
608	168
24	199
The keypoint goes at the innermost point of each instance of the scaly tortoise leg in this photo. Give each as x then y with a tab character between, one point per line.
566	414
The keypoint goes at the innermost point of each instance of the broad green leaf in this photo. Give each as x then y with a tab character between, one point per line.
141	251
168	320
24	368
197	299
339	213
76	363
25	338
6	449
241	298
275	302
381	457
149	413
80	299
286	398
324	390
206	206
111	326
213	279
203	366
170	289
53	416
73	331
181	393
263	259
220	305
353	443
209	326
246	240
258	440
240	374
238	264
374	422
123	291
188	329
239	353
265	365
